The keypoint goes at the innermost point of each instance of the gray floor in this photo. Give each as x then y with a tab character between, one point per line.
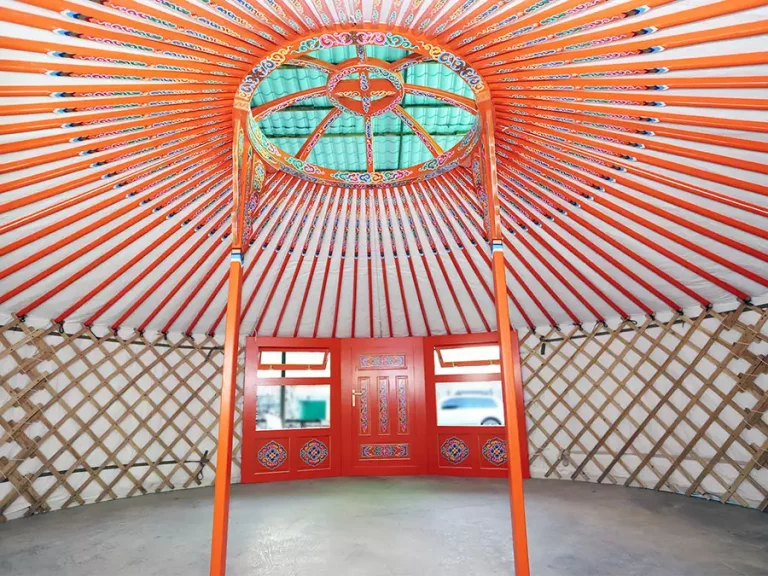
394	527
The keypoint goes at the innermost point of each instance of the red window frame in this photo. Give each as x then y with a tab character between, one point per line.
294	462
468	442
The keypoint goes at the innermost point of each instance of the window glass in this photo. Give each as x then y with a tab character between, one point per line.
469	404
314	364
483	359
281	407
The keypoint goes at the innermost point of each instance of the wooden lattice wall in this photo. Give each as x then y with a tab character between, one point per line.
676	405
94	415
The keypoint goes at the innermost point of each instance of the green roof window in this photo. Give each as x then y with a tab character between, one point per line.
364	109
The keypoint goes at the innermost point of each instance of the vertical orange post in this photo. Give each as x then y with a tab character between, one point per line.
512	400
247	178
517	379
484	167
226	419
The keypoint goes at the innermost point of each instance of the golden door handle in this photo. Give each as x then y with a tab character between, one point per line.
355	394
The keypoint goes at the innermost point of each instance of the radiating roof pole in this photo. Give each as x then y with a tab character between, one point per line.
248	172
484	170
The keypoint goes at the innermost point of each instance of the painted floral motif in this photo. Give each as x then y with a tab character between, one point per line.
252	201
382	361
402	405
495	451
272	455
383	405
364	422
381	177
383	451
301	166
477	176
314	452
454	450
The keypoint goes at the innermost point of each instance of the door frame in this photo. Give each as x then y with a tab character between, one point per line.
418	464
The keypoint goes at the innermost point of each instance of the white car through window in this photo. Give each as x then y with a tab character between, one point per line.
470	410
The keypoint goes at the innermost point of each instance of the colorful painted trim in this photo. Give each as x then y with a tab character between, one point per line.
454	450
275	156
402	405
383	451
495	451
383	405
272	455
313	453
365	427
382	361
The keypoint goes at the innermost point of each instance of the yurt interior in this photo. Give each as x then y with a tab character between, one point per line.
384	287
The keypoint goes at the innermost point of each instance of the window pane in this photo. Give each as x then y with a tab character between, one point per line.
468	360
281	407
469	404
304	359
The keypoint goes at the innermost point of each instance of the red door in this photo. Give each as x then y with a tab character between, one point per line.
382	399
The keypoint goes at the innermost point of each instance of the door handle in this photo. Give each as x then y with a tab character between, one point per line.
354	395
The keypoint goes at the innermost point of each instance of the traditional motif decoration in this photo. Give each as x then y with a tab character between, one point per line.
252	200
495	451
248	174
372	178
381	361
362	38
454	450
313	453
478	180
363	412
381	88
272	455
376	90
383	451
383	405
402	405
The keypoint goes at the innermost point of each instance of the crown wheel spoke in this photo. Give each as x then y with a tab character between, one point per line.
419	130
369	164
315	63
265	110
459	101
407	61
317	133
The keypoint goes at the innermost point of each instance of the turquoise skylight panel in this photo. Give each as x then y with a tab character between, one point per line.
342	146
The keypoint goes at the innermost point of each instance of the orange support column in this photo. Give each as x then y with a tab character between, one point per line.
247	179
226	419
484	168
512	401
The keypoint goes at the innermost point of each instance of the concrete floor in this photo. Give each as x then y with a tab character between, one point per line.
394	527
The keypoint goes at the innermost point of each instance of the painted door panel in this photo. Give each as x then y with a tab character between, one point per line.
383	407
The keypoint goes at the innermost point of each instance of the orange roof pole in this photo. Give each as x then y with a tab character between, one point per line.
511	373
